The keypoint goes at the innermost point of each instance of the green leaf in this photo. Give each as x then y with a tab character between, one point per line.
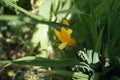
72	11
95	58
99	41
95	76
115	78
40	36
29	20
77	75
44	10
39	61
24	11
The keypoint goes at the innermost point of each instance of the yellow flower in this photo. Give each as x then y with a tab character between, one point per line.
65	37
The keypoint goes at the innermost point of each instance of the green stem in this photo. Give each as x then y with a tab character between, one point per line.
24	11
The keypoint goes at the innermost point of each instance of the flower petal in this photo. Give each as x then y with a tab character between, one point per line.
71	42
66	22
68	34
62	45
69	31
59	35
64	34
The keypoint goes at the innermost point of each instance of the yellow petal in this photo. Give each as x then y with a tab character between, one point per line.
64	34
69	31
71	42
59	35
62	45
66	22
68	34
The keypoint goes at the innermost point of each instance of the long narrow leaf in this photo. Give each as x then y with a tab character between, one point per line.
39	61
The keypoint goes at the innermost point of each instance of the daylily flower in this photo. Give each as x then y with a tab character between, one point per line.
65	37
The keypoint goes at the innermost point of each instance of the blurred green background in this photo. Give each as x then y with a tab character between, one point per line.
29	46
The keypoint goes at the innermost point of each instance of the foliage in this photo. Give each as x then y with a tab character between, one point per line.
27	38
